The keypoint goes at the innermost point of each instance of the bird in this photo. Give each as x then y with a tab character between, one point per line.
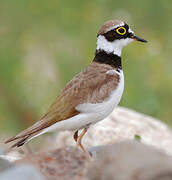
92	94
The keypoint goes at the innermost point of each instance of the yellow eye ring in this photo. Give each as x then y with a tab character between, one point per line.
121	30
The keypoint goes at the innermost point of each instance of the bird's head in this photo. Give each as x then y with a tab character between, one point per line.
114	35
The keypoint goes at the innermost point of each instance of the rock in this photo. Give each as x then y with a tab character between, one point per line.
127	160
4	164
61	164
2	151
131	160
122	124
24	172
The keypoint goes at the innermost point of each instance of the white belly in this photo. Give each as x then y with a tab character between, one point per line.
91	113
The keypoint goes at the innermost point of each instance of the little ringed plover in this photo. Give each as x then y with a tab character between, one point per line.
92	94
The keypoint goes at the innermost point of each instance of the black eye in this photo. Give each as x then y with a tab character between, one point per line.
121	30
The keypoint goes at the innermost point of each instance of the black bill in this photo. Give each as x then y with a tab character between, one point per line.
139	39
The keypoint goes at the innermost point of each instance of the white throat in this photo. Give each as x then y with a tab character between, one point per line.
114	47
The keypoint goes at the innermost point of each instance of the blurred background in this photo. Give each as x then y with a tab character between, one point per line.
43	44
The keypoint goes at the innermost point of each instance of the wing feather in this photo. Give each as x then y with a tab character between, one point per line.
90	86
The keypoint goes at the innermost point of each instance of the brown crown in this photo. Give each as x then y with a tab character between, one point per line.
108	25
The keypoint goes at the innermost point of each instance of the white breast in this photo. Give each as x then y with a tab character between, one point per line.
105	108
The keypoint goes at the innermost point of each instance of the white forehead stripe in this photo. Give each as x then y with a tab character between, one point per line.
130	31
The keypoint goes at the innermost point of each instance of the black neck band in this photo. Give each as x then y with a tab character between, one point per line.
108	58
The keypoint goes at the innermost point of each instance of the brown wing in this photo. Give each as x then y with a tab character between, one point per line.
91	86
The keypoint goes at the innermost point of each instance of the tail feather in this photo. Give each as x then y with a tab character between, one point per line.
22	139
21	142
23	134
13	139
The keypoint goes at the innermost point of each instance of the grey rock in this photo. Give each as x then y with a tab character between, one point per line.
130	160
22	172
4	164
2	151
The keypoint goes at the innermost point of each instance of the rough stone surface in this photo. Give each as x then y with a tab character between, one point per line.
62	164
127	160
24	172
122	124
131	161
